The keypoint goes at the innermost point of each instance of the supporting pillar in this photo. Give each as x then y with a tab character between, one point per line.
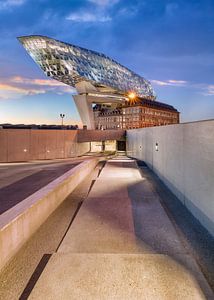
85	110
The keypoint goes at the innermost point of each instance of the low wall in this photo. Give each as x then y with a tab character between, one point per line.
22	220
32	144
182	156
100	135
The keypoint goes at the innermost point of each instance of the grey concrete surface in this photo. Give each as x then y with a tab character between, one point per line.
20	180
199	241
19	222
122	245
113	219
115	276
184	162
12	172
12	194
15	279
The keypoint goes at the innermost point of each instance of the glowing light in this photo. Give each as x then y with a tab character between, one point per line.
132	96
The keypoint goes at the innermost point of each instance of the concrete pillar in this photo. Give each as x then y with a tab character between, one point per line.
85	110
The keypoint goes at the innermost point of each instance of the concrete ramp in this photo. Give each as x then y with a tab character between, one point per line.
122	245
115	276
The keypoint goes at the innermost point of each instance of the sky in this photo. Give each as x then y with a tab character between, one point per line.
170	43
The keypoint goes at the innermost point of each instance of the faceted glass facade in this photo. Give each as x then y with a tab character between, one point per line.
71	64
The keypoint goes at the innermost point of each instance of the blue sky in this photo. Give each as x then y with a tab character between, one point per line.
171	43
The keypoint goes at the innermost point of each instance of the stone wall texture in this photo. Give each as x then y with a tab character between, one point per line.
182	155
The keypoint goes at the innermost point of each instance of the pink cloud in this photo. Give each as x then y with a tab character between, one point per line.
47	82
8	91
17	86
170	82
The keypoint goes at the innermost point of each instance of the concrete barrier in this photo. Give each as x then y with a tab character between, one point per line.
32	144
182	156
22	220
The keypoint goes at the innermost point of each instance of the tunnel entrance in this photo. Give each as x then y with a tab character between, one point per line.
121	145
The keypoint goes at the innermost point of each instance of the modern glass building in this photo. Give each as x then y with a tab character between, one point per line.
96	77
72	64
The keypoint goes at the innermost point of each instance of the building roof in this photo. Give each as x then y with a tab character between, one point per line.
152	104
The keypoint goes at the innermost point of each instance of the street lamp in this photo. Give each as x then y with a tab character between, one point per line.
62	117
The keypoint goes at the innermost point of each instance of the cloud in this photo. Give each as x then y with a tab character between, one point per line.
11	3
104	3
128	11
208	90
201	88
47	82
88	17
10	89
183	82
99	13
16	87
170	82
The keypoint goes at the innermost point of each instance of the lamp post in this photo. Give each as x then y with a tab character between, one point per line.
62	117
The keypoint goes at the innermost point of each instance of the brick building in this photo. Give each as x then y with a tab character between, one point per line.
141	113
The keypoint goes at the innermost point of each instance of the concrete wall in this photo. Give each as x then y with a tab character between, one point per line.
109	146
22	220
100	135
27	144
184	162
